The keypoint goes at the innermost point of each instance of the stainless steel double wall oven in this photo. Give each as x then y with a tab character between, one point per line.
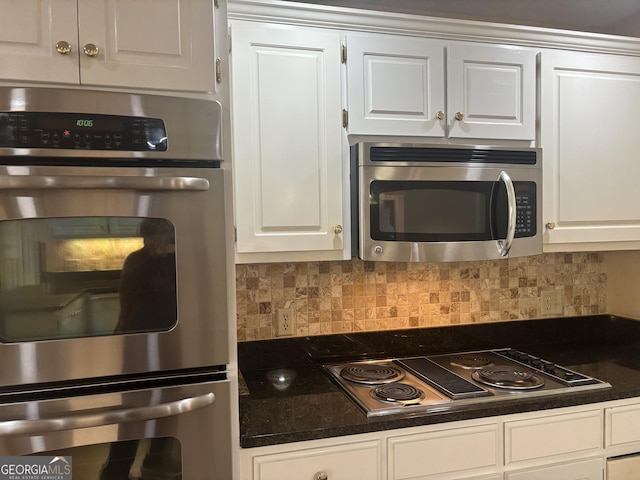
114	344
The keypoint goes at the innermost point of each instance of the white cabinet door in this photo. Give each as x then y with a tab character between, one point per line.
287	139
439	453
29	32
591	469
159	44
491	91
395	85
357	461
553	437
150	44
590	107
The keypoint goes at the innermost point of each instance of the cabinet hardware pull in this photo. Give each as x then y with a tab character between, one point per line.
337	229
551	225
459	116
440	115
63	48
505	246
90	50
218	70
37	182
321	476
108	417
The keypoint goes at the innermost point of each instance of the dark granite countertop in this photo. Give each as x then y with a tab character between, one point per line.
287	397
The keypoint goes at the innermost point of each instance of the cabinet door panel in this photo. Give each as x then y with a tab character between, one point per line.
358	461
622	426
395	85
438	453
589	156
581	470
288	166
493	87
552	436
29	31
163	44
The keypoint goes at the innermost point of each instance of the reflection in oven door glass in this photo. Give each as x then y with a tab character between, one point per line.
147	459
86	276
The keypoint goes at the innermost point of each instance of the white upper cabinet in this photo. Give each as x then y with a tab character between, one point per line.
29	32
491	92
590	112
149	44
287	143
397	85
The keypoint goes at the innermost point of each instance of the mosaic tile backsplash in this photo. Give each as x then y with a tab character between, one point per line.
358	296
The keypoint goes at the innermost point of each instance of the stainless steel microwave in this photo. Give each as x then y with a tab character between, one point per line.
441	203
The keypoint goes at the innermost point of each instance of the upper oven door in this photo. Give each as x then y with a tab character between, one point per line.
111	270
448	213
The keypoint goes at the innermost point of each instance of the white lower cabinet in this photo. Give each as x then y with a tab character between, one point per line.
553	437
590	469
450	452
562	444
622	429
351	461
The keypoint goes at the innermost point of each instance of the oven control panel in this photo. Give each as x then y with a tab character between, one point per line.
81	131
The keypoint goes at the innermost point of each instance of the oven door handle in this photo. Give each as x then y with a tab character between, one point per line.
124	415
505	246
81	182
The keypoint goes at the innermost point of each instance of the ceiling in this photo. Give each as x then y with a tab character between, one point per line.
617	17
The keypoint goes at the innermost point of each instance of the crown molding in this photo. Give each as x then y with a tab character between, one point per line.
373	21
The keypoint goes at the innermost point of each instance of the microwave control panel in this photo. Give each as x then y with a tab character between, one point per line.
525	209
81	131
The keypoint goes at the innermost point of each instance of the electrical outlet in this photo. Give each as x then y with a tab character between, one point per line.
551	302
284	322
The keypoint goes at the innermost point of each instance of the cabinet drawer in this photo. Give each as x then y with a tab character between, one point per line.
581	470
622	425
357	461
623	468
551	436
447	451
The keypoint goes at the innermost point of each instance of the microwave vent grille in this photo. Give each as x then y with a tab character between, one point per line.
452	155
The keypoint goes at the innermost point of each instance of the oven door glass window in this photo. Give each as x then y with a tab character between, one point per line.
150	458
440	211
86	276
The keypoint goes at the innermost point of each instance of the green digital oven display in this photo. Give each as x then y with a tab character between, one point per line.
84	122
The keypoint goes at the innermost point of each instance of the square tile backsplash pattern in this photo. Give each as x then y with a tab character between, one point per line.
358	296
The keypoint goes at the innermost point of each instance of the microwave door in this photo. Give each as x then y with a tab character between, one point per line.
504	246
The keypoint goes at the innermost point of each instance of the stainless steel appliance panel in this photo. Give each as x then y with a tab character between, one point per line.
194	416
193	126
423	385
433	174
191	199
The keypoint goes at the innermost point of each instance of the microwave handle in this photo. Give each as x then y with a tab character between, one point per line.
505	246
81	182
135	414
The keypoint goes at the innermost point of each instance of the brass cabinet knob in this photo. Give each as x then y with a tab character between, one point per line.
90	50
321	476
63	48
459	116
440	115
337	229
551	225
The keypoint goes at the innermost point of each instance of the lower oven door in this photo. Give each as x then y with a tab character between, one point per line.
175	432
111	271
